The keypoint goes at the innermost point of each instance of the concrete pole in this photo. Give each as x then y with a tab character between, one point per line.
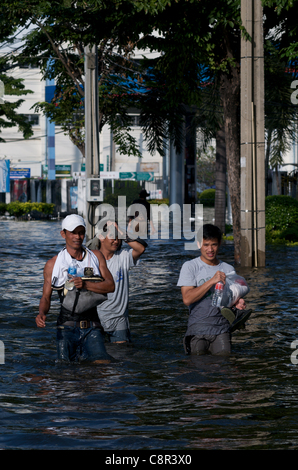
252	137
91	130
50	130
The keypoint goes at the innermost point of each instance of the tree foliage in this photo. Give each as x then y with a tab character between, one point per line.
9	116
60	31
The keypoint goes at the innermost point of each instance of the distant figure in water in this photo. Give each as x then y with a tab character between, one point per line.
79	333
208	329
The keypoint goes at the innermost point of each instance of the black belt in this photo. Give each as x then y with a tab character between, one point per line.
82	324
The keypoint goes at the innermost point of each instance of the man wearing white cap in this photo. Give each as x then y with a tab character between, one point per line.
79	333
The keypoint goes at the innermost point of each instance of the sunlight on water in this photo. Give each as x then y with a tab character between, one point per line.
152	396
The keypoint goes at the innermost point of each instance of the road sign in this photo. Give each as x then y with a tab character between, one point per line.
145	176
128	175
109	175
136	176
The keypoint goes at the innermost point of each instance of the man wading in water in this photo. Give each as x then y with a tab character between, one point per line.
209	328
79	333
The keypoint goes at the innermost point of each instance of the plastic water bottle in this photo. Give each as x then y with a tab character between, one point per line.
72	271
217	295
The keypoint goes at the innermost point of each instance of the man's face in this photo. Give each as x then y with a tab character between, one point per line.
209	250
75	238
110	242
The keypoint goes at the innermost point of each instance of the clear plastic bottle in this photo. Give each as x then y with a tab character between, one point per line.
217	295
72	271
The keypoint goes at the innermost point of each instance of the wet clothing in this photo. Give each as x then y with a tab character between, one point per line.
113	313
60	276
80	335
67	315
64	260
204	320
216	345
80	344
117	336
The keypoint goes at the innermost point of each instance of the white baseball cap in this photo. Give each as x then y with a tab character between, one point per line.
72	221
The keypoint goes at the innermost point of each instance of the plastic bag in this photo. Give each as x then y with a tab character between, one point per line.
235	288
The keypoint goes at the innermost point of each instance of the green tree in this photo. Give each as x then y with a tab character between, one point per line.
280	70
9	116
200	36
60	31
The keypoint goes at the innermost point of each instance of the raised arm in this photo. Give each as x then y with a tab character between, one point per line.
138	245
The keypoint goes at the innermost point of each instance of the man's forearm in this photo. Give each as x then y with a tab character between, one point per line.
194	294
103	287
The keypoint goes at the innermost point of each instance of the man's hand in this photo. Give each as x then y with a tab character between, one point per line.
241	305
78	282
219	276
41	320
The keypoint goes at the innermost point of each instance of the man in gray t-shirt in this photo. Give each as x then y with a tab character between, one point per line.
113	313
208	330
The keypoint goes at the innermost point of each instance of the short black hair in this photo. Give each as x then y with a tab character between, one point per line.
209	232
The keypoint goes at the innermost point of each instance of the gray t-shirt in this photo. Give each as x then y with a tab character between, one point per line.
204	319
113	313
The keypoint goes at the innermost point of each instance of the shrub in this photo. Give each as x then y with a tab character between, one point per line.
159	201
18	209
281	219
281	212
207	197
3	208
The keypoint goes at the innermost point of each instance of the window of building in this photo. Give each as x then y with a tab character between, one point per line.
33	118
135	120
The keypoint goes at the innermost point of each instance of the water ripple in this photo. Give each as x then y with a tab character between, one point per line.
152	396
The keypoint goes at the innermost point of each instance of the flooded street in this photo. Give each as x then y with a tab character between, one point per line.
151	396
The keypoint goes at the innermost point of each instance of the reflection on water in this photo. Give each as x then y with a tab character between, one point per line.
152	396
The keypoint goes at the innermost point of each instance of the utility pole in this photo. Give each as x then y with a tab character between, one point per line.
50	129
91	132
252	137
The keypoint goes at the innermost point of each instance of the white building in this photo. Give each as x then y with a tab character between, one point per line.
32	153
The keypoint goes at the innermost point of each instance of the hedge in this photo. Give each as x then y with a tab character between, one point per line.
281	220
207	197
18	209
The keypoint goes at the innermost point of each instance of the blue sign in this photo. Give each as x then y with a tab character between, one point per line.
16	173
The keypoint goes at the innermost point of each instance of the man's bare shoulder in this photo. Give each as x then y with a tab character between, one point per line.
99	255
48	268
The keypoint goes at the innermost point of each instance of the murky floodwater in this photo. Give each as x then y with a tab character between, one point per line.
152	396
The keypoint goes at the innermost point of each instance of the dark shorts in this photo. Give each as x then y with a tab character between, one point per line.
80	344
204	344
